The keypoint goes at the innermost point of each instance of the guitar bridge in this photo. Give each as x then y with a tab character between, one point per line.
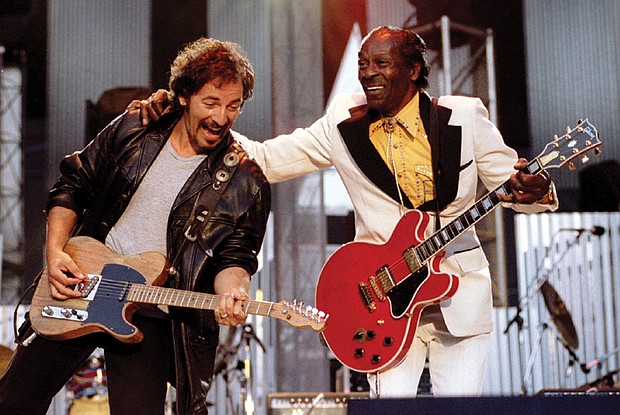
367	296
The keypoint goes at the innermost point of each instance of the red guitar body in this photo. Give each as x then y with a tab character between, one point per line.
369	329
374	294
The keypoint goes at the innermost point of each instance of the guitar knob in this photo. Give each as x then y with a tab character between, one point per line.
388	341
375	359
371	334
360	335
359	352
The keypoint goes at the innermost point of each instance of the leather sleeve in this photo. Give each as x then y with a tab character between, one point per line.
240	247
78	182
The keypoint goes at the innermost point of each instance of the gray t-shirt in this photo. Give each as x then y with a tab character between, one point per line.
142	227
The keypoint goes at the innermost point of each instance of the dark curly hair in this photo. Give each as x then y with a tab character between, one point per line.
205	60
412	48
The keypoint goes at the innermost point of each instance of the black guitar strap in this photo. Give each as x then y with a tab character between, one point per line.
207	201
435	135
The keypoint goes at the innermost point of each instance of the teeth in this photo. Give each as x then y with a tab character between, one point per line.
374	88
211	130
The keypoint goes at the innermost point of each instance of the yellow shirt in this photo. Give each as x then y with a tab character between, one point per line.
406	151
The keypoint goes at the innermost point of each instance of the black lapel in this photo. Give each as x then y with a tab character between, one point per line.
445	150
354	132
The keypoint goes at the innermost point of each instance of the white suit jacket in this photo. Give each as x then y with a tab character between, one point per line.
471	147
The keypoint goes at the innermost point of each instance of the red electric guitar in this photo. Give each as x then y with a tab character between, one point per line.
374	293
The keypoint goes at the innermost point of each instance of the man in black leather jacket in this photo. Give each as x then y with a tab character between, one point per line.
140	189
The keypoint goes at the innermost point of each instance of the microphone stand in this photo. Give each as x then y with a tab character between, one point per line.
539	281
598	362
247	335
525	300
530	362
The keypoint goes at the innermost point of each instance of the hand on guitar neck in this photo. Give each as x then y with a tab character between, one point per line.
117	284
526	188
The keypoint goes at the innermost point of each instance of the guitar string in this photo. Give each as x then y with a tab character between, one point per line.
427	248
264	308
114	287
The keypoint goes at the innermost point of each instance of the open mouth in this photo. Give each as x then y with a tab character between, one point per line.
373	89
212	130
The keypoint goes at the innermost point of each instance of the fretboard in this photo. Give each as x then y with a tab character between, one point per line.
148	294
419	255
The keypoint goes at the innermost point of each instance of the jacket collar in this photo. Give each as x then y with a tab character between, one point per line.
445	152
201	177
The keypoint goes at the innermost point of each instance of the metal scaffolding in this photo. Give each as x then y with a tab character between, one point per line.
11	172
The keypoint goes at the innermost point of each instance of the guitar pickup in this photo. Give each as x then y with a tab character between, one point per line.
64	313
89	290
375	287
367	296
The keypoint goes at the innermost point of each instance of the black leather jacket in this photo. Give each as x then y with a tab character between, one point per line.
98	183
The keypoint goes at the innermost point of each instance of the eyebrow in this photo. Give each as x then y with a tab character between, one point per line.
217	99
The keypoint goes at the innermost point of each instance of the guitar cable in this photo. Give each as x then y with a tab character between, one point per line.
19	332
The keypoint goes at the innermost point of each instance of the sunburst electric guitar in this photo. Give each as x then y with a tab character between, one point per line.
374	293
116	287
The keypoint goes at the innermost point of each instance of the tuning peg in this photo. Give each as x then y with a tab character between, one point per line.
585	159
555	137
568	129
597	151
571	166
580	121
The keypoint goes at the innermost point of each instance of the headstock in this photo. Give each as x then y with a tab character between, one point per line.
576	142
299	315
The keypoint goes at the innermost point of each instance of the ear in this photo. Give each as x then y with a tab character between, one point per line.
182	101
414	72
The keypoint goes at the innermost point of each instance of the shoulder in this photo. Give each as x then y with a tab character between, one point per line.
348	100
459	101
345	106
464	109
247	165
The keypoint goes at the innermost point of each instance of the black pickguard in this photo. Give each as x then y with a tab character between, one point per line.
401	295
106	308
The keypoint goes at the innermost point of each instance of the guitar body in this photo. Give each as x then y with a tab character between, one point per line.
367	333
104	310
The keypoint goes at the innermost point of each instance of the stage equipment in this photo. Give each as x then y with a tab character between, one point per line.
311	403
5	358
88	388
559	314
555	306
582	403
233	362
598	363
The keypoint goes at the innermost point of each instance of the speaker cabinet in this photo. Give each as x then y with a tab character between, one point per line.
317	403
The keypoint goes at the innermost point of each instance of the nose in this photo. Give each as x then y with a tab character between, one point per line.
367	72
219	116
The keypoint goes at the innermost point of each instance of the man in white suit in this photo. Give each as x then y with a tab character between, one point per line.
395	153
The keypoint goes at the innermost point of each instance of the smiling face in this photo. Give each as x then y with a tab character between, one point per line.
208	115
387	82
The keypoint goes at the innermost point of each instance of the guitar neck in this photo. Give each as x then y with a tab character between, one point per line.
147	294
419	255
